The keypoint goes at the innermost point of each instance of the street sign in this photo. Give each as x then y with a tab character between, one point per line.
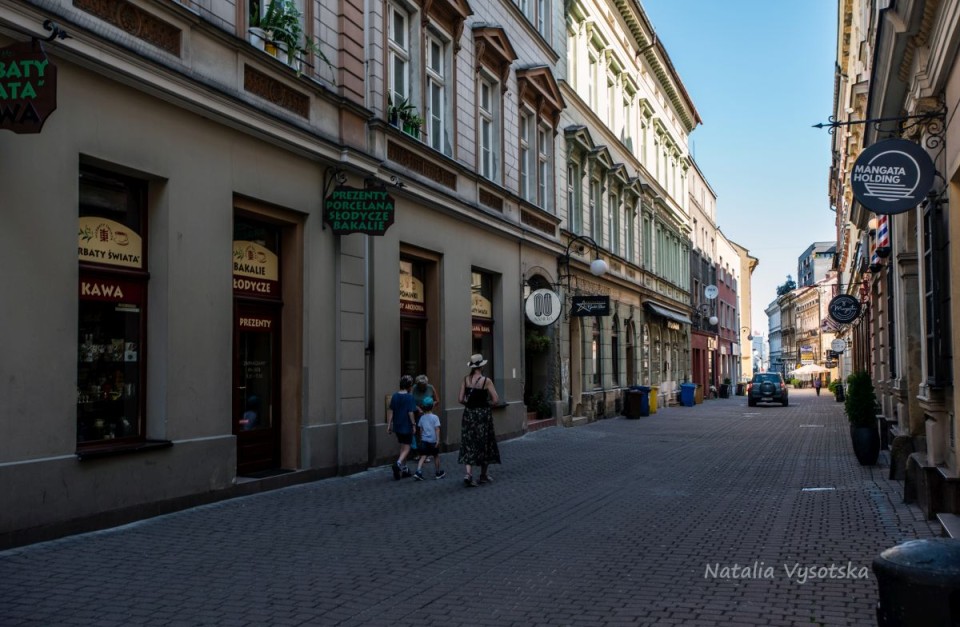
838	345
892	176
543	307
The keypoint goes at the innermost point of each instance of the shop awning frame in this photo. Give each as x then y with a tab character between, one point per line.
666	312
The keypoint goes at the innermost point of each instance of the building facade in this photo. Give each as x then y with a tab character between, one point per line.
815	262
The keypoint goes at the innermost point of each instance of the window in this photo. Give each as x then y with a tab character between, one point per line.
647	243
615	352
936	301
627	127
630	241
437	94
526	154
543	18
596	224
488	130
596	354
592	87
398	56
113	297
481	312
544	171
575	197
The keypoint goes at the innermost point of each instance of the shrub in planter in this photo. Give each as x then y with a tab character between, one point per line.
861	409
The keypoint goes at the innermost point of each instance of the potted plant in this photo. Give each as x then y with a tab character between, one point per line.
412	124
399	111
861	409
538	404
538	342
836	386
282	29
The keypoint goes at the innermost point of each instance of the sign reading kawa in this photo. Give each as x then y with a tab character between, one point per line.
892	176
28	87
350	210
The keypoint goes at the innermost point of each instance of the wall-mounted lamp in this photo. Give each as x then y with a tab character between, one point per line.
748	332
705	309
598	267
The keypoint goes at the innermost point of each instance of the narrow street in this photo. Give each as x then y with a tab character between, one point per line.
716	514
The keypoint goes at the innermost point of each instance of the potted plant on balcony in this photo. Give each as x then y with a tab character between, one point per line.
399	111
861	409
282	29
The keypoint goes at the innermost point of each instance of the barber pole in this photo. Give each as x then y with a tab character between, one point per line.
883	237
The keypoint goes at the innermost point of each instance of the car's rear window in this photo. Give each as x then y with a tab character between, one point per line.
772	378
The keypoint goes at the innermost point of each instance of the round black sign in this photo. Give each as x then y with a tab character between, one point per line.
892	176
844	308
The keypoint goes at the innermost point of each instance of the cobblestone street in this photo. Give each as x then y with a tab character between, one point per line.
715	514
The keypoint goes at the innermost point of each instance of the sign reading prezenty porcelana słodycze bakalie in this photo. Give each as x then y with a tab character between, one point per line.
892	176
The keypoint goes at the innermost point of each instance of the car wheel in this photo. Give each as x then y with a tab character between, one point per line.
786	401
751	402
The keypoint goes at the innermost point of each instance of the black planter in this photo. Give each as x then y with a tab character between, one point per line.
866	444
724	390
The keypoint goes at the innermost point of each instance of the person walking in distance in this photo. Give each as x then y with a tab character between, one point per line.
478	441
429	439
402	420
817	384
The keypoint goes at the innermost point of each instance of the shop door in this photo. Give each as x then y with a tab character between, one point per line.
413	346
256	407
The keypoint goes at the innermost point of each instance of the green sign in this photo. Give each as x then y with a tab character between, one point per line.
350	210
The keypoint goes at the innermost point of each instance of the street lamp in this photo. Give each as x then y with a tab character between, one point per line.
706	308
748	332
598	267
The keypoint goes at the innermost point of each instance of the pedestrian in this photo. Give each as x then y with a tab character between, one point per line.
816	385
429	425
421	390
402	420
478	441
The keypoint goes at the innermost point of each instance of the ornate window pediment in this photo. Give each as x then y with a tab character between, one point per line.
451	14
538	87
494	51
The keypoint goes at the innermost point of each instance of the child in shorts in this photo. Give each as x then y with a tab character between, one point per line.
429	439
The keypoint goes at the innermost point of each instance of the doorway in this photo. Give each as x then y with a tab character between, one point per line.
256	389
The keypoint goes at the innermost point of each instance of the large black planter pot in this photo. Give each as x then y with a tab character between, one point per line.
866	444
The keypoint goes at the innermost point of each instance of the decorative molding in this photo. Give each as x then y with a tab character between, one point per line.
272	90
534	221
493	50
418	164
135	21
491	199
537	86
451	14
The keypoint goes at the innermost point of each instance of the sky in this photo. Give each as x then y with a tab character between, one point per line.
760	74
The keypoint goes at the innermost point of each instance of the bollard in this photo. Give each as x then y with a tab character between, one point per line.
919	584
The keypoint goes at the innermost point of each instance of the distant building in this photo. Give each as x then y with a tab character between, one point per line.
815	262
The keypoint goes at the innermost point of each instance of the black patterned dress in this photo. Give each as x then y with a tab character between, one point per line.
478	441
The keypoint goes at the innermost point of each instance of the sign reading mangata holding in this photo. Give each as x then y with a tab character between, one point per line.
28	87
892	176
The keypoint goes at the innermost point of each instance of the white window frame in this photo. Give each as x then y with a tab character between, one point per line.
436	77
544	169
526	171
596	207
488	129
398	52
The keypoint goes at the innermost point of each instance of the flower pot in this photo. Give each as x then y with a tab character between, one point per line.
411	130
257	37
866	444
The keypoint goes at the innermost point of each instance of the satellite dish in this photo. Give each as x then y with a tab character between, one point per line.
711	291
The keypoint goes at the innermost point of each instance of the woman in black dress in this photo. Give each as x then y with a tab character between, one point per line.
478	441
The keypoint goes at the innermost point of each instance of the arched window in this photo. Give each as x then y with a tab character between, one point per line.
645	354
656	369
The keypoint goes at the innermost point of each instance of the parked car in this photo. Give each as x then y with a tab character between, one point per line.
767	387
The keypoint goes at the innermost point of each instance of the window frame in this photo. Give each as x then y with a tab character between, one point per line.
436	81
399	50
489	160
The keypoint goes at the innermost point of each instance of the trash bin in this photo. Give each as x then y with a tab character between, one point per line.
919	583
637	402
741	389
839	393
687	394
653	399
724	390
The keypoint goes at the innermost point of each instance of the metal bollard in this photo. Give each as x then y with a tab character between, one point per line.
919	584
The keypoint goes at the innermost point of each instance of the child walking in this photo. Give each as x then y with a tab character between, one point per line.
429	439
401	420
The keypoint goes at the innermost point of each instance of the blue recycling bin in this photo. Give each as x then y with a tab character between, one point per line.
688	394
637	402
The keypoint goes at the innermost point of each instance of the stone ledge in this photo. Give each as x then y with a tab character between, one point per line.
950	524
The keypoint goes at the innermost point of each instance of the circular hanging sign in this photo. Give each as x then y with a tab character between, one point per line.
543	307
711	291
838	345
844	308
892	176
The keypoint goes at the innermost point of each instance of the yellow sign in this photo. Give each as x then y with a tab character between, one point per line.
252	260
104	241
411	288
480	307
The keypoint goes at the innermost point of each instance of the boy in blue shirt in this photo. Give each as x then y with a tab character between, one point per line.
429	439
401	420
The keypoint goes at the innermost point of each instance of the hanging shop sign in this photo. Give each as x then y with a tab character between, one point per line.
844	308
838	345
28	87
351	210
590	306
543	307
892	176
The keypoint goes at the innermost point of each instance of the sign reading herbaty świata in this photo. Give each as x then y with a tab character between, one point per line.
351	210
28	87
892	176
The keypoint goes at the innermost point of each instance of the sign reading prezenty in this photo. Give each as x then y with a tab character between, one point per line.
590	306
892	176
28	87
351	210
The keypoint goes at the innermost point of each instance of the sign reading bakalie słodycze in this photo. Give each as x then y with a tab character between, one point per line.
844	308
28	87
892	176
351	210
256	270
543	307
590	306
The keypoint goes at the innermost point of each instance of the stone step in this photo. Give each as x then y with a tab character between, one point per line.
950	524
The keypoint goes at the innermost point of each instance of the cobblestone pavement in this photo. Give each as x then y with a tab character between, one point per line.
692	516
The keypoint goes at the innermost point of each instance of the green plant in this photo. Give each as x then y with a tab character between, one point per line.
795	382
538	342
727	380
833	385
861	400
400	111
283	23
538	403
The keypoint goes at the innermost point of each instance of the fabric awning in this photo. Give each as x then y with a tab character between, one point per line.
666	312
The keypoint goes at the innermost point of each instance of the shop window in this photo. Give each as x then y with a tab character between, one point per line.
413	317
112	301
615	352
645	353
596	353
936	273
481	313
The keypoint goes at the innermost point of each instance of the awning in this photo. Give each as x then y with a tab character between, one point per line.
666	312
